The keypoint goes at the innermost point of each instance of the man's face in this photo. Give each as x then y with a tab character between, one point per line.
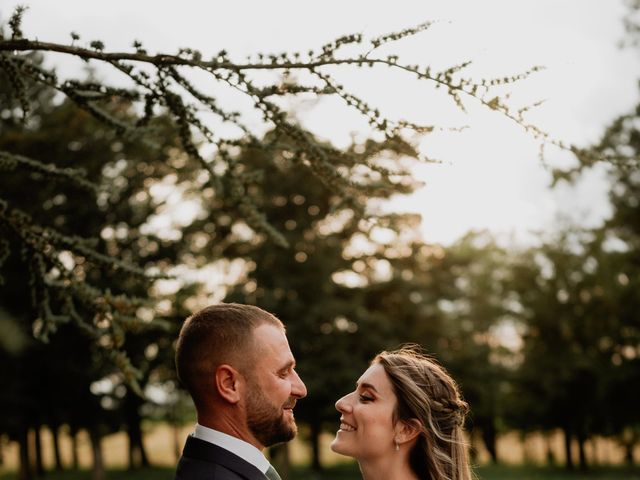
273	387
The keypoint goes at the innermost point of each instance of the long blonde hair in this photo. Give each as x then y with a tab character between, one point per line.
426	392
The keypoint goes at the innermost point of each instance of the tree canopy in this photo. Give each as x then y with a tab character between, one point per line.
139	97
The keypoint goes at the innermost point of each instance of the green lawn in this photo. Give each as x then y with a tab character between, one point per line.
349	472
541	473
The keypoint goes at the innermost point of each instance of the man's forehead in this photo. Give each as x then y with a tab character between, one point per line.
270	340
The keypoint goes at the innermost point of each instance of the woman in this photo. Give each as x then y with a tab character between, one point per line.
404	420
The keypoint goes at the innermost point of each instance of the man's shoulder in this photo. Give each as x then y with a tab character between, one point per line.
202	460
194	469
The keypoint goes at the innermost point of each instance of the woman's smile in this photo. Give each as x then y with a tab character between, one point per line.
346	427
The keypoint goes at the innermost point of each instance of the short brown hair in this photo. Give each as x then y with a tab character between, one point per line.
215	335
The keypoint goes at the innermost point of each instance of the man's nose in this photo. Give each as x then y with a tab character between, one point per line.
298	388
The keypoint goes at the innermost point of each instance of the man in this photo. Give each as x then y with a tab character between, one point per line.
236	363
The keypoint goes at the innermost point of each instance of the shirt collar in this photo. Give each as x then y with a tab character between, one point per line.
236	446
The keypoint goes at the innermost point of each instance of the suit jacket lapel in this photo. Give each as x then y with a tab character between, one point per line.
208	452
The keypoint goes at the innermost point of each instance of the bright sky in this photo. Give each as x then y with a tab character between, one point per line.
491	176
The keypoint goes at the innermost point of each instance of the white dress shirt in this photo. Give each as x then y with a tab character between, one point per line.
244	450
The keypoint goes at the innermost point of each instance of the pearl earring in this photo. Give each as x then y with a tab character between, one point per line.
397	447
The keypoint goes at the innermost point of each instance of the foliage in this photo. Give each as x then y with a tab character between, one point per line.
114	214
150	86
621	236
605	297
58	252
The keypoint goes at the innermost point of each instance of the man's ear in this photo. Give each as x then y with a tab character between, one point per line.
228	383
407	430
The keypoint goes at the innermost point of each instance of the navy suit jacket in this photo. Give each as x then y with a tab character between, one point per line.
205	461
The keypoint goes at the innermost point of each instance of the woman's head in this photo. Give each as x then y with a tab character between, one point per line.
406	404
427	393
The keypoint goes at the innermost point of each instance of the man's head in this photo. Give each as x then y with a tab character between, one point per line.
236	363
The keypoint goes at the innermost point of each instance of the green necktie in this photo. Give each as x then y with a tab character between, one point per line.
272	474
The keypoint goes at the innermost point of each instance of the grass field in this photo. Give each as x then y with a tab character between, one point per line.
350	472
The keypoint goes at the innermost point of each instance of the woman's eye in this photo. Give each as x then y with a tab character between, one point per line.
365	398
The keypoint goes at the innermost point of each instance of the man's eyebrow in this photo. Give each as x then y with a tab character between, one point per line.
290	364
368	386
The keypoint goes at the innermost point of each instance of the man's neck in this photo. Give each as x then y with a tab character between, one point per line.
230	425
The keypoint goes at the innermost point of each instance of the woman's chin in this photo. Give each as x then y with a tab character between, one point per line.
336	447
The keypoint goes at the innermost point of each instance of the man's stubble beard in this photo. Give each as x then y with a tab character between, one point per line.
267	422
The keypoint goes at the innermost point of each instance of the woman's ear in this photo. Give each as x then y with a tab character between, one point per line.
407	430
227	383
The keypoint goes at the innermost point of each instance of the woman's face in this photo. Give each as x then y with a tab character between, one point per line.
366	424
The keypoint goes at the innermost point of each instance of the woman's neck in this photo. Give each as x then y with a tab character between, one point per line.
395	466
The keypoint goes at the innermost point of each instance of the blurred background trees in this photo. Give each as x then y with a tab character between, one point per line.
104	231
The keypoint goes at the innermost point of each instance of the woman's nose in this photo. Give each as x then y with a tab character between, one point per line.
343	404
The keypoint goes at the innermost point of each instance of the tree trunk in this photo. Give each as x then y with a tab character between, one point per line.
567	448
132	450
97	470
137	454
55	435
582	439
526	453
75	462
316	430
594	452
24	472
628	453
38	451
473	445
489	438
177	446
551	458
